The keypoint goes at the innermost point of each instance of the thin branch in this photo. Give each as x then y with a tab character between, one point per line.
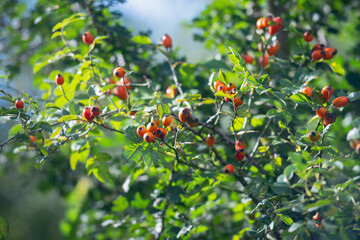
108	128
7	141
259	138
163	214
212	117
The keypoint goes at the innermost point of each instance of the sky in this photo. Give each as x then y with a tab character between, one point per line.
167	16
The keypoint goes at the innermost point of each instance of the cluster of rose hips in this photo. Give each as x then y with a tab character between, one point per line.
322	113
239	155
320	52
149	132
317	220
231	89
274	24
123	84
90	113
185	117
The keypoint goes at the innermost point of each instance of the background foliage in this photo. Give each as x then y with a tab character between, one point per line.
114	186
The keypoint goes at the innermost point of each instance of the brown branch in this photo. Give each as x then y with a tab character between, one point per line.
108	128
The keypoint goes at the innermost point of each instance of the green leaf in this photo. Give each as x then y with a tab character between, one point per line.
162	110
133	152
102	157
174	194
107	87
312	75
43	150
57	26
216	64
337	68
286	219
222	94
81	155
222	76
141	39
39	66
240	61
131	135
320	203
101	172
4	228
300	98
139	202
272	113
238	124
120	204
94	91
15	129
74	109
295	226
67	118
51	105
98	39
56	34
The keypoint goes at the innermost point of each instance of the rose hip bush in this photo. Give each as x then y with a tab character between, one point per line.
251	146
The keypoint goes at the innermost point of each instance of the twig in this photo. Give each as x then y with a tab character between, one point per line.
212	117
256	164
62	90
7	141
108	128
259	138
166	201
